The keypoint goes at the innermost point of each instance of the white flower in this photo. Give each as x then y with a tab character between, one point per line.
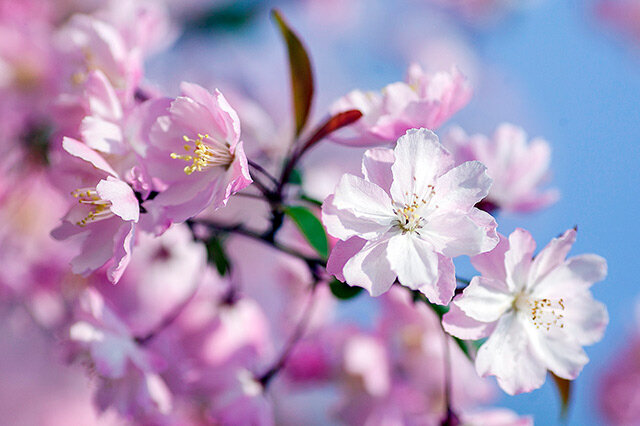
408	217
538	313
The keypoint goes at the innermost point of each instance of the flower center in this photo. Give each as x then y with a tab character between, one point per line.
543	313
206	152
100	209
408	216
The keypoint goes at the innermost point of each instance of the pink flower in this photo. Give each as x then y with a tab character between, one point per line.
538	313
623	14
619	388
422	101
88	44
102	127
104	216
127	371
196	151
494	417
518	168
408	217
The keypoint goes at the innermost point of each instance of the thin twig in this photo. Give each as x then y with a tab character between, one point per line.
295	337
262	170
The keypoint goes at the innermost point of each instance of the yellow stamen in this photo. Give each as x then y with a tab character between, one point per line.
207	152
89	197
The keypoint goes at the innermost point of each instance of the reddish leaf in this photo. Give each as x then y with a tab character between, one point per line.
331	125
301	74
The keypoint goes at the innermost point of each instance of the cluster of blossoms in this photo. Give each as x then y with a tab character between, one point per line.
188	272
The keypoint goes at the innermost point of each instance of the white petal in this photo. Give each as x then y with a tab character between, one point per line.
485	299
365	200
560	352
459	324
376	167
491	263
419	160
458	233
343	224
416	264
369	269
517	259
509	355
462	187
552	256
585	319
577	273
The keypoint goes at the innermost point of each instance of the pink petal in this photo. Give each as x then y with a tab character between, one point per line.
123	201
82	151
123	246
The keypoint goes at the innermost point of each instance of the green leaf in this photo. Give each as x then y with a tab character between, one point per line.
217	255
296	177
344	291
311	228
311	200
564	390
300	70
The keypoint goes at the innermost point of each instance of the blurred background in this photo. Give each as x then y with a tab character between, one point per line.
567	71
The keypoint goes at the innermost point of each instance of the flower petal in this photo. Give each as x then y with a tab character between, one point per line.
485	299
370	269
376	167
123	201
552	256
509	355
416	264
491	263
462	187
365	200
419	160
458	233
341	253
517	259
462	326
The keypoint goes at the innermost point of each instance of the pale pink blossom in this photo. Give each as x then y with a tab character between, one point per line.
622	14
87	44
423	100
384	379
195	150
494	417
518	168
537	313
127	372
102	127
618	392
103	217
410	214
